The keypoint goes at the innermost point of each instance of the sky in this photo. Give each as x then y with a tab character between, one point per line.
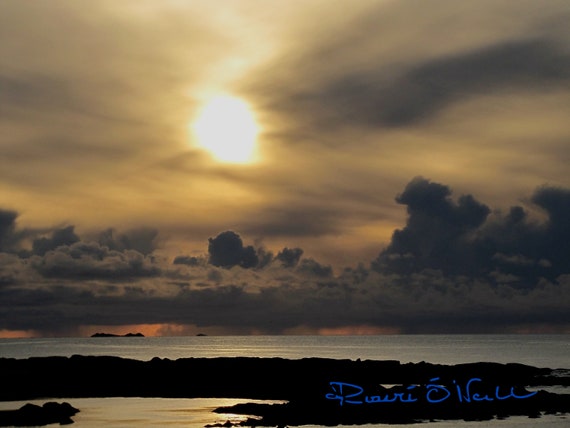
407	167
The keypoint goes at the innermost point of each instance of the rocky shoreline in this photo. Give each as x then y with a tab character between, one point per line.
317	390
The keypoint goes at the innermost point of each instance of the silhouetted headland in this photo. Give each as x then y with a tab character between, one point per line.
117	335
316	390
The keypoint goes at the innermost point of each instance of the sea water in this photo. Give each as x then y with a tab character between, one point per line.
551	351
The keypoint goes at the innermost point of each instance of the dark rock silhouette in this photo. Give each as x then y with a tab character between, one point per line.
320	412
33	415
303	384
117	335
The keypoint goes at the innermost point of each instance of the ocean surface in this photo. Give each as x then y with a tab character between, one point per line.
552	351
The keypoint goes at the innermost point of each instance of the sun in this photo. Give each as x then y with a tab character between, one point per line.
227	129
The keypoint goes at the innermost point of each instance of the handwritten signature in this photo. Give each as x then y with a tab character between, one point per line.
347	393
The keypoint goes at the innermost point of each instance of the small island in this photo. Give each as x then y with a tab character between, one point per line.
117	335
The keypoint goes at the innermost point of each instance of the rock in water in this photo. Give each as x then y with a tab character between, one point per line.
34	415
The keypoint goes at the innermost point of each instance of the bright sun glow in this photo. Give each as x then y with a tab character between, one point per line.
226	128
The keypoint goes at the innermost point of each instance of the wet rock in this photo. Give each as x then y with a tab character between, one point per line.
34	415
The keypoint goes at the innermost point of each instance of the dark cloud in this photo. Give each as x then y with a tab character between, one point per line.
289	257
456	267
437	231
59	237
227	250
424	90
423	303
314	268
264	257
61	253
389	95
89	260
460	238
556	232
143	240
534	248
187	260
7	228
10	269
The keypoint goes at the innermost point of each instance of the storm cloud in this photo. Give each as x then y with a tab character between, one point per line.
227	250
460	238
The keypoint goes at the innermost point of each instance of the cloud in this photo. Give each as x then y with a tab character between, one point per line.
437	230
377	98
7	228
460	238
227	250
350	105
11	269
143	240
297	218
424	90
89	260
426	302
37	92
62	120
314	268
556	232
187	260
61	253
289	257
456	266
59	237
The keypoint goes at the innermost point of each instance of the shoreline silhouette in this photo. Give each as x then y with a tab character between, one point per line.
317	391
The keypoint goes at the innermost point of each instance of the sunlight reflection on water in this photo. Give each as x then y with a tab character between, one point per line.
198	412
151	412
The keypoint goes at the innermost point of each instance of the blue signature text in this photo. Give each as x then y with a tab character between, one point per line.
434	392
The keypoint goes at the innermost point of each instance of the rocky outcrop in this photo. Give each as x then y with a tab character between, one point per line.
317	390
33	415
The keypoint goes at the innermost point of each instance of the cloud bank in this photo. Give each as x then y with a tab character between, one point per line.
455	266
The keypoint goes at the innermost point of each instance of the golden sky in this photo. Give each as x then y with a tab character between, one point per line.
350	103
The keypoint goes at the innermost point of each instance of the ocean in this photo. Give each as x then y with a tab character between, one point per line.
551	351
